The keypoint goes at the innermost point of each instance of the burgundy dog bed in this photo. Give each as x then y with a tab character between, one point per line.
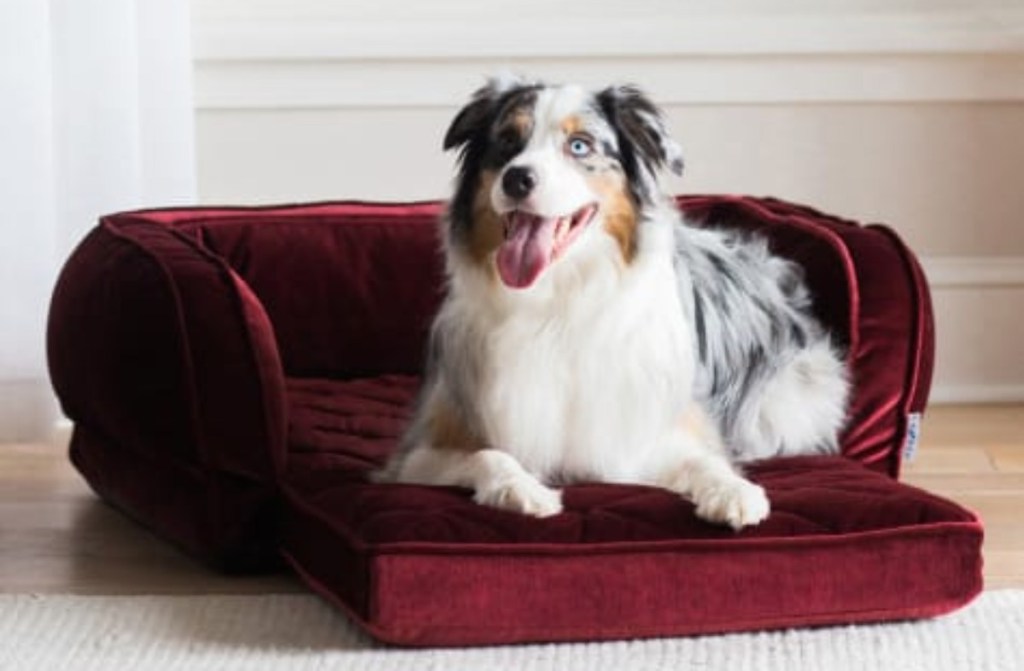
234	373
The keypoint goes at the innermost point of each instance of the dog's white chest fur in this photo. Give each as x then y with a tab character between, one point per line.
590	386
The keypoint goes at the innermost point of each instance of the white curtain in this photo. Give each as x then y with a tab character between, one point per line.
95	116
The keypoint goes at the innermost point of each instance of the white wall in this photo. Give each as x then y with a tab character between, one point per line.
909	112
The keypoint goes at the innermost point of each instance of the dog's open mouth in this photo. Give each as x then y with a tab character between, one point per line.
532	242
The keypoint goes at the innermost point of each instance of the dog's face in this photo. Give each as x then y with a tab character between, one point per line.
544	167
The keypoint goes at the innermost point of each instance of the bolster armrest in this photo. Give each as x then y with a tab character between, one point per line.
869	290
167	364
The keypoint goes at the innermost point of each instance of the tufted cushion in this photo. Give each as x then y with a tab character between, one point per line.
425	565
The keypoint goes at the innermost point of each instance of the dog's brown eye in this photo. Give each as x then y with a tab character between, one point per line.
580	146
507	140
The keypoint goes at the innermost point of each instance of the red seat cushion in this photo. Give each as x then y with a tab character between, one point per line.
427	566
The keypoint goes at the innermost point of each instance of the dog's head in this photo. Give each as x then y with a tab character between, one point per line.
546	167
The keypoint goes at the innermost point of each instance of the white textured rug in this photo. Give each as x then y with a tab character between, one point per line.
300	632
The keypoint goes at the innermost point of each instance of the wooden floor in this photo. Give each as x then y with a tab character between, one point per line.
55	536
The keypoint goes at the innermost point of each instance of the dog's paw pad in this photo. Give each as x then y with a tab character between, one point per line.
739	504
522	495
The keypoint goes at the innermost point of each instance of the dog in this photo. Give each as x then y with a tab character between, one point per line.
588	333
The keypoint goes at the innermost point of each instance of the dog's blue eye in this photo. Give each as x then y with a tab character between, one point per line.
580	147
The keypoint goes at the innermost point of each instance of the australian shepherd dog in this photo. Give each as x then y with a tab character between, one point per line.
589	333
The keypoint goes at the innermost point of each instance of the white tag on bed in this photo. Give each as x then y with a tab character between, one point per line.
913	436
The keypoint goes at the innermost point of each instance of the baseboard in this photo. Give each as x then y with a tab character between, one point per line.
970	293
974	271
27	410
951	394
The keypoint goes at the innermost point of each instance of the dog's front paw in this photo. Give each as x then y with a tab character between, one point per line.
738	503
522	494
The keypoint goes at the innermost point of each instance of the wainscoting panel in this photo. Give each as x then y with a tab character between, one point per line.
914	117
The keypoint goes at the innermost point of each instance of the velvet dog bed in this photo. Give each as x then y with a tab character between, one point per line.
233	375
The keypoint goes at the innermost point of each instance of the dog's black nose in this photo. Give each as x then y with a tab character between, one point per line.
518	182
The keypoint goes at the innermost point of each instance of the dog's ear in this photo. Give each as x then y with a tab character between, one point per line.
640	128
479	113
471	119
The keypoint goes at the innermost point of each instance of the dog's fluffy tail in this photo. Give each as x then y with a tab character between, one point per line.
799	410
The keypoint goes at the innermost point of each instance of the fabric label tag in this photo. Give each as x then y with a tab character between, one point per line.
913	436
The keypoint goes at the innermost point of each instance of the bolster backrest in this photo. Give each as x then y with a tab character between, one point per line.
870	291
350	288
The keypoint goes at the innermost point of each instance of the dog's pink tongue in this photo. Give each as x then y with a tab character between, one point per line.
526	250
